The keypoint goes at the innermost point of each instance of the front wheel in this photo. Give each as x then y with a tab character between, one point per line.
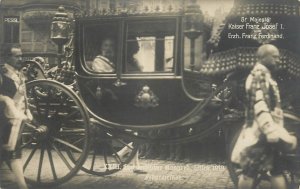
60	125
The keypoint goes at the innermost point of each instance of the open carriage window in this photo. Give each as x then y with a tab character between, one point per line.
150	46
101	47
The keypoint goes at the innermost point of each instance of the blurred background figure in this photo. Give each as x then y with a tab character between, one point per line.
133	65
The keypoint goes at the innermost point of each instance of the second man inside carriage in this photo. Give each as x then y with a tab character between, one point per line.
105	62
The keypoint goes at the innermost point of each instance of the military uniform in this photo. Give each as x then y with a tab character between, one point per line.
264	116
12	112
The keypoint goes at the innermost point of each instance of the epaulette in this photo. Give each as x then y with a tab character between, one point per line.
3	70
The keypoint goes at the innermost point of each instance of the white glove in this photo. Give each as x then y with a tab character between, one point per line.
273	136
287	138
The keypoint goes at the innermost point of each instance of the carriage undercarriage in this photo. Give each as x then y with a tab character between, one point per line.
63	129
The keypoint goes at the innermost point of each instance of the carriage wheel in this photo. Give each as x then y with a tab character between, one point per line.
60	125
108	153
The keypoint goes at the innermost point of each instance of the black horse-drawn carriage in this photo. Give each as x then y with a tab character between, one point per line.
103	112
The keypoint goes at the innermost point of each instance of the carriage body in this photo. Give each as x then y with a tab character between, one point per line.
151	95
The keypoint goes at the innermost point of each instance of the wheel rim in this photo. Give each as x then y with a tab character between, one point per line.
60	120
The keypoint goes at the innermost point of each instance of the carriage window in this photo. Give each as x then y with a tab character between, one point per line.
150	46
100	47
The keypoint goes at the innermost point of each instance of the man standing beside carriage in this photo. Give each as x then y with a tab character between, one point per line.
13	111
263	136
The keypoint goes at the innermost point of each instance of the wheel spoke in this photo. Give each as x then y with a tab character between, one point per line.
30	157
47	103
40	164
105	158
26	134
67	144
35	97
79	140
31	106
93	161
75	121
51	164
76	111
122	142
26	144
116	156
62	157
65	130
31	126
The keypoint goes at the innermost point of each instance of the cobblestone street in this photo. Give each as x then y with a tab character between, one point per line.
160	174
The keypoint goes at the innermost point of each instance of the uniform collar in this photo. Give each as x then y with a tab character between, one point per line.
10	68
12	73
262	67
106	60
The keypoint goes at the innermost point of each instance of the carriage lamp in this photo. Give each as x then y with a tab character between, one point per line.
193	20
60	31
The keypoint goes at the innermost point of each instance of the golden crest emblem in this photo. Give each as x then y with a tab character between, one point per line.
146	98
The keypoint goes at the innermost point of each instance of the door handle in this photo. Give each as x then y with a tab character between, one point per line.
119	83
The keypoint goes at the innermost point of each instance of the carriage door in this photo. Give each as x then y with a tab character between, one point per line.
150	86
136	72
